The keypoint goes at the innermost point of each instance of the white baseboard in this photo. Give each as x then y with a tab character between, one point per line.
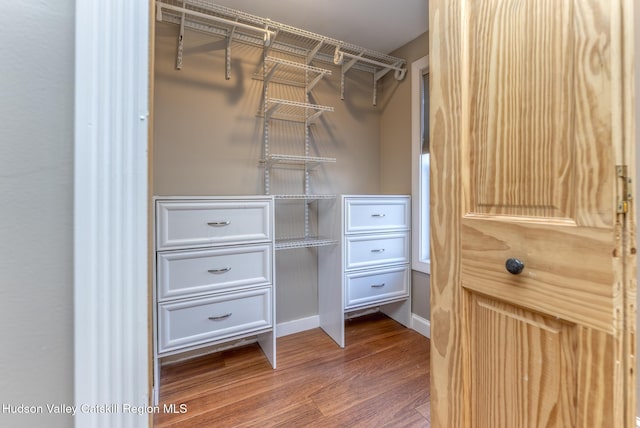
296	326
637	422
418	324
421	325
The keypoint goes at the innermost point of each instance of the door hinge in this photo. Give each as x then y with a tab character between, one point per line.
624	190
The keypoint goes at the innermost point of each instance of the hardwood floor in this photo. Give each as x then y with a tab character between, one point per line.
380	379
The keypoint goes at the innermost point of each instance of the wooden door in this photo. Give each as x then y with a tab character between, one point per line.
531	115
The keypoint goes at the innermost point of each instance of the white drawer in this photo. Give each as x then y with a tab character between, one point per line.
196	272
376	214
196	321
192	224
363	251
370	287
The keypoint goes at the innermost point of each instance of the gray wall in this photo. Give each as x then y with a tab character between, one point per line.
36	218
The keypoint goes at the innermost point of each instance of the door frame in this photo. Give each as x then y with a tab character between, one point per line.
419	68
111	298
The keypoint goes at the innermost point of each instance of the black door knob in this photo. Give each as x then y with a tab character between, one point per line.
514	266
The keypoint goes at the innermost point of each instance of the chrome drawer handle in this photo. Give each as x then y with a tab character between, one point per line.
220	317
219	223
223	270
378	215
377	285
380	250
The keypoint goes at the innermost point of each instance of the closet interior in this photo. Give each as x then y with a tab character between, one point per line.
219	257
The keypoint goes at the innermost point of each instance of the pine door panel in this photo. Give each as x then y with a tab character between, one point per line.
527	131
568	270
524	370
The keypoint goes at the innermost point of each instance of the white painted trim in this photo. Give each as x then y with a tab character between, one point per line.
638	422
418	324
110	210
421	325
418	68
296	326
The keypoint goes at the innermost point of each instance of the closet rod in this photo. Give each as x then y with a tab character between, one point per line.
268	33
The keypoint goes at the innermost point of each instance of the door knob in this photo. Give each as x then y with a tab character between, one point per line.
514	266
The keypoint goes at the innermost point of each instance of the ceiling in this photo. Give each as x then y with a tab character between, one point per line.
381	25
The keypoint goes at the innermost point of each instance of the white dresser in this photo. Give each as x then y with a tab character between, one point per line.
371	267
214	274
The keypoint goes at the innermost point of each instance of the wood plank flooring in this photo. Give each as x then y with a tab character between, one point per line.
380	379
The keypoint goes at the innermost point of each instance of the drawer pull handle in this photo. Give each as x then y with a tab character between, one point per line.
220	317
379	250
219	223
377	285
378	215
223	270
514	266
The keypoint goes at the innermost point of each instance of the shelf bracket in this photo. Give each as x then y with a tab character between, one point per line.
380	74
314	82
346	67
314	116
354	60
313	52
375	91
399	75
180	43
377	76
227	58
271	110
269	75
342	84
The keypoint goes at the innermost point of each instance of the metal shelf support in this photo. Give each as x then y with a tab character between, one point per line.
227	57
180	44
313	52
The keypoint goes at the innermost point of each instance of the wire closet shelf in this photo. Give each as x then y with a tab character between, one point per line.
206	16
